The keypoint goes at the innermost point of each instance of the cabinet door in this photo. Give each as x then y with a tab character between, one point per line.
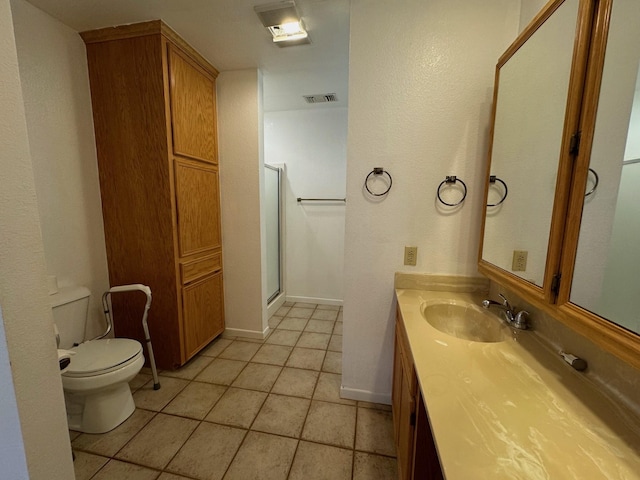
193	109
203	312
198	207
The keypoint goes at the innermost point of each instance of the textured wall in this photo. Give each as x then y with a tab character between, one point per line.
240	127
312	144
27	316
55	85
420	92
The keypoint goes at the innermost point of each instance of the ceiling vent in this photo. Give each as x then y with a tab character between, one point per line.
321	98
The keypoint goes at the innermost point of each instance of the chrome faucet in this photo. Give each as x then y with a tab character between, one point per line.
515	319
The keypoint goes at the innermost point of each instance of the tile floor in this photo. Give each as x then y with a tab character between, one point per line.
247	410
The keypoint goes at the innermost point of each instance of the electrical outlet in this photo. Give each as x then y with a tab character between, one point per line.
519	263
410	255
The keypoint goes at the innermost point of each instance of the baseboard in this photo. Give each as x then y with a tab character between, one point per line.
239	332
365	395
320	301
275	304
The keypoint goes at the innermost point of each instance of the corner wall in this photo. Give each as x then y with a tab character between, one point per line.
55	85
28	321
420	93
240	127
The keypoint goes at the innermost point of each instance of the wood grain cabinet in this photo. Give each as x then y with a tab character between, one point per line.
415	448
154	110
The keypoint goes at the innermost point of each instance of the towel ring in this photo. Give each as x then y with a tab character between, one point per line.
452	179
595	184
378	171
494	179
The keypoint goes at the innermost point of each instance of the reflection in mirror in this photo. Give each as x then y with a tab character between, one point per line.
606	277
530	112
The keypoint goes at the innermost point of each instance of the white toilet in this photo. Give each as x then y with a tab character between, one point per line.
96	388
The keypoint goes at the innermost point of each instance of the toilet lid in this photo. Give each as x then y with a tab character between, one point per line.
101	355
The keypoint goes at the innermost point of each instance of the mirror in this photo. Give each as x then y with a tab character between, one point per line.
606	278
532	85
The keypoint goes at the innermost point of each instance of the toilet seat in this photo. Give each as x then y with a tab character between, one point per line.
98	357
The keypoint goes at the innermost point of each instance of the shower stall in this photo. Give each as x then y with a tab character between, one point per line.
274	216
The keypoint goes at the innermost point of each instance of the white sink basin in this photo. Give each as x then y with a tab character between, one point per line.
466	321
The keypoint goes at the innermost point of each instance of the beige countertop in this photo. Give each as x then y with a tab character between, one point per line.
514	409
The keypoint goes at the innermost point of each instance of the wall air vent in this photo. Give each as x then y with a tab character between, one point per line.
321	98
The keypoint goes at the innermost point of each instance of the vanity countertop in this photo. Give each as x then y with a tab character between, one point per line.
514	409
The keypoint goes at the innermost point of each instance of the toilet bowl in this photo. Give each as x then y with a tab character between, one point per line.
96	389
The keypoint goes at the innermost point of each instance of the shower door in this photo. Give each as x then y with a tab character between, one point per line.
272	184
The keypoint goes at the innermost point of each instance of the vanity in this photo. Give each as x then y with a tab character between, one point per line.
474	399
496	403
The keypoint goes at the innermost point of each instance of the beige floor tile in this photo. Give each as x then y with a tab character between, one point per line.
73	435
335	344
299	312
257	376
307	358
377	406
321	462
272	354
282	311
328	307
283	337
240	350
314	340
237	408
291	323
305	305
86	465
263	456
330	423
208	452
221	371
121	470
325	315
191	369
159	441
251	339
374	467
319	326
332	362
374	432
171	476
149	399
328	389
196	400
337	329
340	316
216	347
282	415
274	321
296	382
288	304
139	380
109	443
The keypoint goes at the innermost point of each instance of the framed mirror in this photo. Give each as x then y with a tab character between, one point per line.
539	82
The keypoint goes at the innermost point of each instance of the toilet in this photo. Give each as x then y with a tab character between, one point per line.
96	383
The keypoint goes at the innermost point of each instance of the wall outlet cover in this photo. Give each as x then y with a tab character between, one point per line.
410	255
519	263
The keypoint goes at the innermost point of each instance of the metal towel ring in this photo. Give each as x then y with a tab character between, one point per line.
452	179
494	179
378	171
595	185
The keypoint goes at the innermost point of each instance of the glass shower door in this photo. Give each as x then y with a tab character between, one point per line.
272	179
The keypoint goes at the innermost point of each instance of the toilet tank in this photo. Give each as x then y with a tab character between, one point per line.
70	307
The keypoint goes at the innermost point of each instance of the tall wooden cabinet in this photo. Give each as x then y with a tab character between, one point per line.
154	111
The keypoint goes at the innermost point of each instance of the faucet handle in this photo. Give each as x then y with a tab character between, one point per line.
505	302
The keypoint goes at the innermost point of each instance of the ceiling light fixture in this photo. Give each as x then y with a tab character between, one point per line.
283	22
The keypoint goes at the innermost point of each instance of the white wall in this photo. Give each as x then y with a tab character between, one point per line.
28	320
420	92
55	84
312	144
240	127
528	10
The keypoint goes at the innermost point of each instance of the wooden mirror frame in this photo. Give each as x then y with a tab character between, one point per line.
580	116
